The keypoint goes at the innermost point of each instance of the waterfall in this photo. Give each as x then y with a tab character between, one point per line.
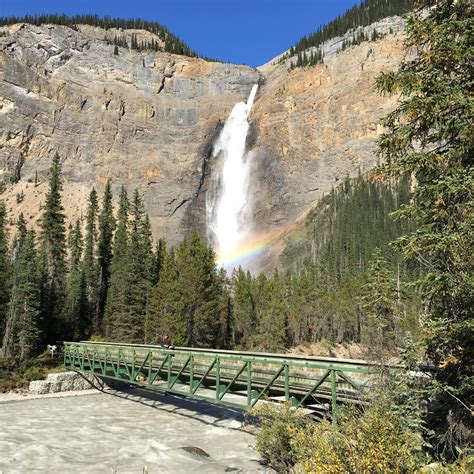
229	208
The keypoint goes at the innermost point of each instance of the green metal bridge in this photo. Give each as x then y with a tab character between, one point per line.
236	379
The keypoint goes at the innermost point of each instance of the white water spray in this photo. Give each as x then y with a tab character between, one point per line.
229	212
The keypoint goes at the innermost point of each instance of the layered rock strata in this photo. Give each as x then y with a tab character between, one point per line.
148	121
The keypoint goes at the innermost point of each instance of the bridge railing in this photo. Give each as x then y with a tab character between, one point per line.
240	379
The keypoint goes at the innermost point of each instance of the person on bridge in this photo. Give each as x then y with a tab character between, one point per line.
166	342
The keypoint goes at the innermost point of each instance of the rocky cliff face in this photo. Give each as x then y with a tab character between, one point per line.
148	120
138	119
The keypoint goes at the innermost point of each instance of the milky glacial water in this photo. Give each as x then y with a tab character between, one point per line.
105	433
229	213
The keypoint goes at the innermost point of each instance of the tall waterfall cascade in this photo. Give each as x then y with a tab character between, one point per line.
229	209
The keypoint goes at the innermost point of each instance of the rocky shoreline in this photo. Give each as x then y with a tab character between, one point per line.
61	384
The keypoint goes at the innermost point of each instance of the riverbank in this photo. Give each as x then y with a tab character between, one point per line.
25	396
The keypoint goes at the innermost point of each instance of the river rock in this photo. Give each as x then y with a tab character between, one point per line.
196	451
60	382
39	387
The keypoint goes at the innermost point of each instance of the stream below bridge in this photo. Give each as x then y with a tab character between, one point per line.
122	432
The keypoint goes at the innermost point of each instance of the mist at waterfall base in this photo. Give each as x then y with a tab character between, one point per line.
230	207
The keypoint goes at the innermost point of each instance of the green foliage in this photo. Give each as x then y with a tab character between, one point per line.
140	260
379	296
5	268
363	14
271	314
53	247
90	268
347	225
116	309
327	263
384	437
34	373
430	136
166	311
200	290
278	426
22	330
104	250
245	322
76	307
376	441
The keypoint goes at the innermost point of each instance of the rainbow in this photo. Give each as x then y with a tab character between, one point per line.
249	249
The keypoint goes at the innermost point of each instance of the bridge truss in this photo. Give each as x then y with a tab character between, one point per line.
236	379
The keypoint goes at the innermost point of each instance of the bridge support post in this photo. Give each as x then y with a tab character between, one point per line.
287	383
249	384
170	362
191	374
218	378
333	395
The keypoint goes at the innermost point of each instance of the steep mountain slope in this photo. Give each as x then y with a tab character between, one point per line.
148	120
140	119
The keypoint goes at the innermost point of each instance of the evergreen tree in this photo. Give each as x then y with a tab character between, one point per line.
140	260
76	306
245	322
53	244
172	43
226	320
5	268
90	268
22	332
116	309
201	292
271	314
429	135
104	251
379	305
166	309
363	14
160	256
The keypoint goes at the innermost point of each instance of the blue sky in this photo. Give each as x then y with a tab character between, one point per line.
239	31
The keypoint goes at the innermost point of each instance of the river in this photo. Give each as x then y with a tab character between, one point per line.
123	433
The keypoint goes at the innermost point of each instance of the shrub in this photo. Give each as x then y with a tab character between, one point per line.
278	424
376	440
34	373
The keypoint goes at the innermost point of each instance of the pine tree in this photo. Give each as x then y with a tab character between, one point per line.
166	309
5	268
22	332
90	268
53	245
201	292
160	256
226	320
140	260
271	335
429	135
116	309
76	295
379	305
245	323
104	251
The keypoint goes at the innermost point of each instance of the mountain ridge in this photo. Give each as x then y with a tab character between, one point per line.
148	120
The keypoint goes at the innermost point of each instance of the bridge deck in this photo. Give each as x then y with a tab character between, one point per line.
238	379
